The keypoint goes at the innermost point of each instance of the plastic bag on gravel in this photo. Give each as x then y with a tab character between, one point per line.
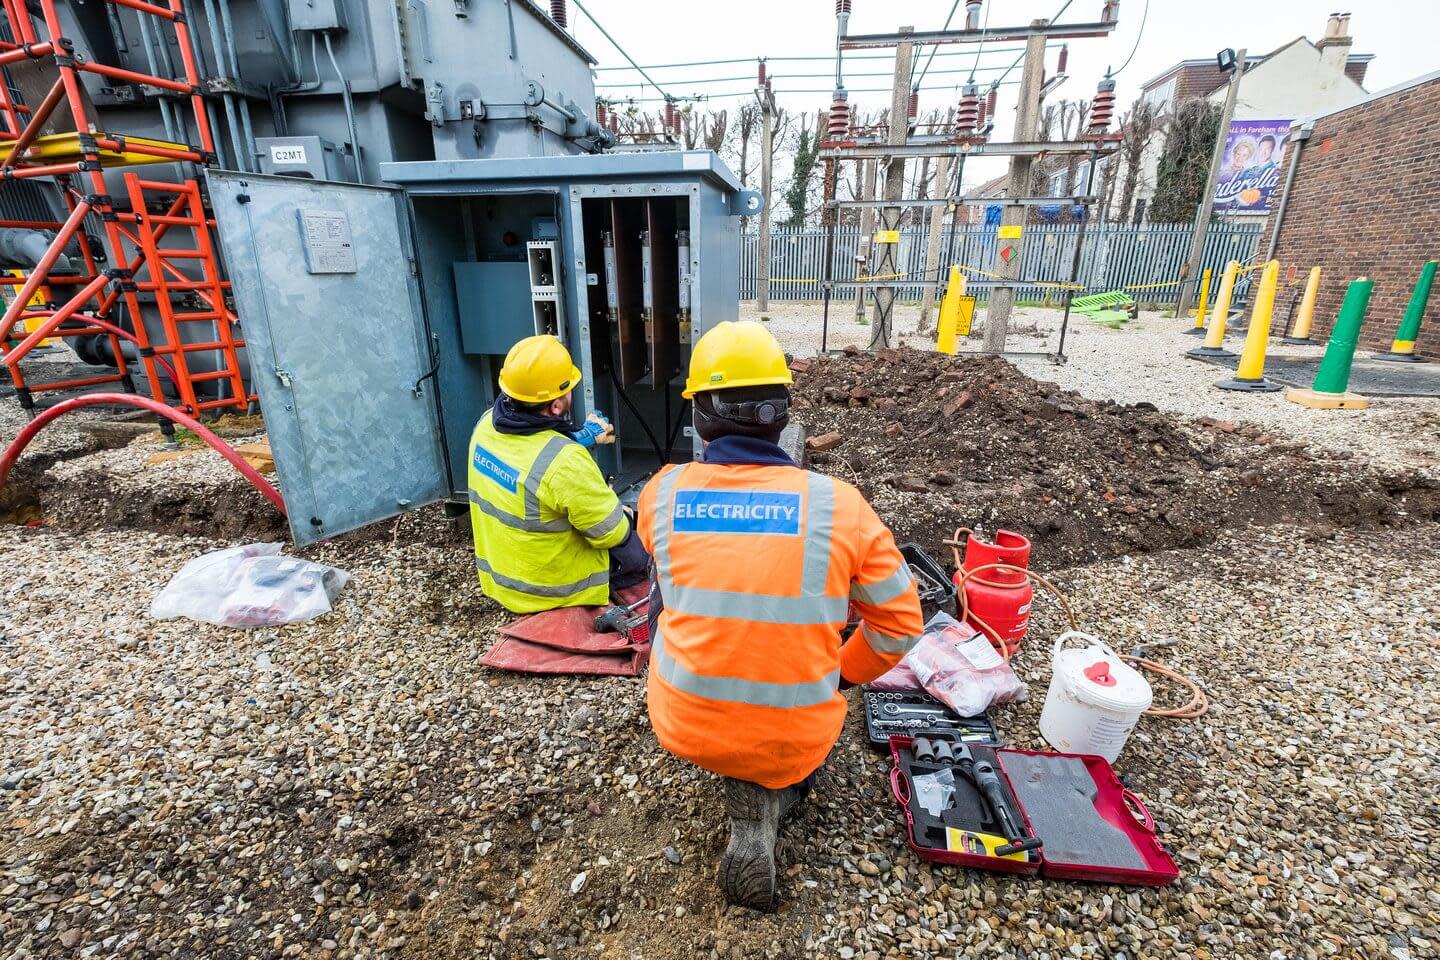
957	666
249	586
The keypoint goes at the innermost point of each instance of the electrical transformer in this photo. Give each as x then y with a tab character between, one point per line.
378	317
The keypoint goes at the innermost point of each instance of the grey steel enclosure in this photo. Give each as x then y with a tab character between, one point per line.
325	287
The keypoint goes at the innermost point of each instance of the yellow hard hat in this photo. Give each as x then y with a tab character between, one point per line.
736	353
538	370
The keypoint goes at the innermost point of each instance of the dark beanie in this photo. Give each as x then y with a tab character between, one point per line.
711	426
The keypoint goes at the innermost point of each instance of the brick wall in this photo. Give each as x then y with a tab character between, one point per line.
1366	202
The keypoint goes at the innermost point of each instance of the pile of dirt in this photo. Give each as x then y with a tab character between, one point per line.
938	442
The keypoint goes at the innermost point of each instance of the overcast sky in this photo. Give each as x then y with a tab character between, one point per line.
1400	33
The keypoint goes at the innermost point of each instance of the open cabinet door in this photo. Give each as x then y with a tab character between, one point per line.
324	281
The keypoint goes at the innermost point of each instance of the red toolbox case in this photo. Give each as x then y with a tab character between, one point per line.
1146	863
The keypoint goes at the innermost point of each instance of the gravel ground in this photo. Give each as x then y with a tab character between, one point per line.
358	786
1144	362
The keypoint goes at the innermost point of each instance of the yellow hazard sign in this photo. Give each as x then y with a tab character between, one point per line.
1010	231
887	236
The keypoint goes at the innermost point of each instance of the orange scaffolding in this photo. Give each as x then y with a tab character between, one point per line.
47	304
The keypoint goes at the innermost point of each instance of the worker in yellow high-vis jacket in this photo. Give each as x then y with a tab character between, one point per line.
549	532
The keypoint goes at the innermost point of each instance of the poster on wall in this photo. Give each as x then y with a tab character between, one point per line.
1250	171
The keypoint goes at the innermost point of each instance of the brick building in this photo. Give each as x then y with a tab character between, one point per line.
1366	202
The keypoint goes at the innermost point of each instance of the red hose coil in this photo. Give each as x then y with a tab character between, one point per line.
23	438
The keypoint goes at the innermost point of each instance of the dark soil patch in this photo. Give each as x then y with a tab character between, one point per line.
939	442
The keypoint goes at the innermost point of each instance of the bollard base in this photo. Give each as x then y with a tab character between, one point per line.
1195	332
1299	341
1210	352
1316	400
1255	385
1398	357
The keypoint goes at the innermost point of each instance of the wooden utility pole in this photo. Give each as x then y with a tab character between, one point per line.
1207	199
1009	248
888	263
867	227
932	245
767	159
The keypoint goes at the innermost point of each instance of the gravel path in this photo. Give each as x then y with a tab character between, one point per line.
1144	362
359	787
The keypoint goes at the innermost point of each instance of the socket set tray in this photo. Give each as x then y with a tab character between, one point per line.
915	714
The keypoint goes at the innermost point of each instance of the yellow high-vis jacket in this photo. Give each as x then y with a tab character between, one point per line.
544	520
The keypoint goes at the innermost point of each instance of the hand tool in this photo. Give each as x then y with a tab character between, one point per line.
924	750
621	619
988	783
901	709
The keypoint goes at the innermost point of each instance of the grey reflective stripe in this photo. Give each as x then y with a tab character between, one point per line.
812	607
883	644
599	579
819	527
607	525
518	523
759	607
883	591
536	474
756	693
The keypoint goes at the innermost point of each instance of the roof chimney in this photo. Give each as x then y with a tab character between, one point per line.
1335	45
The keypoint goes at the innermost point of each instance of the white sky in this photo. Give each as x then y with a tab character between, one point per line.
1399	32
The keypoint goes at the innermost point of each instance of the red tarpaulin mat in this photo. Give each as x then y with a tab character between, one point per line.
572	629
525	657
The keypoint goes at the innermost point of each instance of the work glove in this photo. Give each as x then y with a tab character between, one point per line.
596	430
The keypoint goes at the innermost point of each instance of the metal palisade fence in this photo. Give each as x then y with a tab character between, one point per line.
1112	256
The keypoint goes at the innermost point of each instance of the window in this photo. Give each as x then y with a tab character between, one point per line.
1057	184
1082	175
1139	212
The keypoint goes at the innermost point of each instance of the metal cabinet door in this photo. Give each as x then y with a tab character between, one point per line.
324	282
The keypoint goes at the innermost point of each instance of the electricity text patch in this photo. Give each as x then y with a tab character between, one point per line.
496	469
737	511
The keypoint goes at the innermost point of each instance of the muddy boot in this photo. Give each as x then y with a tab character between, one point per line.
747	871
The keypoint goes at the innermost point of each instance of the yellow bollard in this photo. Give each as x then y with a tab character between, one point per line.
945	329
1199	329
1215	333
1251	373
1307	310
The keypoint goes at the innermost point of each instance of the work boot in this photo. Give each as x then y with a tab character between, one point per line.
747	871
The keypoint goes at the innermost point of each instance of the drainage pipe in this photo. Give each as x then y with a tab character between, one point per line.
18	445
1297	143
349	108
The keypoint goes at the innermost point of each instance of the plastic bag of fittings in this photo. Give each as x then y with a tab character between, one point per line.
249	586
958	666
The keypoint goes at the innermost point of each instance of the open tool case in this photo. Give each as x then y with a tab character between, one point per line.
1091	827
893	713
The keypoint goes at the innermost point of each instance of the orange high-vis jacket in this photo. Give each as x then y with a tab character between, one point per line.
757	567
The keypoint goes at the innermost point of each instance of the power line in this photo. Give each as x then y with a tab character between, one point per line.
606	34
1143	17
787	76
699	97
935	46
827	59
984	26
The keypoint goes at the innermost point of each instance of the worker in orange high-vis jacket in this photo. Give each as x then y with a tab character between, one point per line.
757	565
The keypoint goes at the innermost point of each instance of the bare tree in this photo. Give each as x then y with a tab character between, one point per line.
747	121
713	129
1139	128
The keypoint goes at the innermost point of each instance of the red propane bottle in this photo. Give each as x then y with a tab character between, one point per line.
999	597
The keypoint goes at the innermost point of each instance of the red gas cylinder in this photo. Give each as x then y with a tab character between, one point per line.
1001	598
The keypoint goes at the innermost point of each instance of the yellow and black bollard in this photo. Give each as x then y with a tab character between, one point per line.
1199	329
1251	373
1301	334
1215	332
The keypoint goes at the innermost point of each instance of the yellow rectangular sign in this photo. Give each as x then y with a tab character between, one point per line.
887	236
1010	231
965	317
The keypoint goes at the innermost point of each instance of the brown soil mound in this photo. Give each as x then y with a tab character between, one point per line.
938	442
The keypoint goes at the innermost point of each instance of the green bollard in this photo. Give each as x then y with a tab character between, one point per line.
1328	391
1402	349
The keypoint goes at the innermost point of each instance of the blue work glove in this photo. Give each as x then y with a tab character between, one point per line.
595	430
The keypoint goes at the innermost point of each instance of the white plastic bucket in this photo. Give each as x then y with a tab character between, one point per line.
1095	699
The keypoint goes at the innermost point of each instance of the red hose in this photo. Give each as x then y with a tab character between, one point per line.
123	334
23	438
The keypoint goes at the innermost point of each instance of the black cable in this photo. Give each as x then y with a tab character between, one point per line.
1138	35
675	430
625	399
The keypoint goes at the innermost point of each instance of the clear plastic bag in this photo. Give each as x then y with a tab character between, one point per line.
957	666
934	791
249	586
